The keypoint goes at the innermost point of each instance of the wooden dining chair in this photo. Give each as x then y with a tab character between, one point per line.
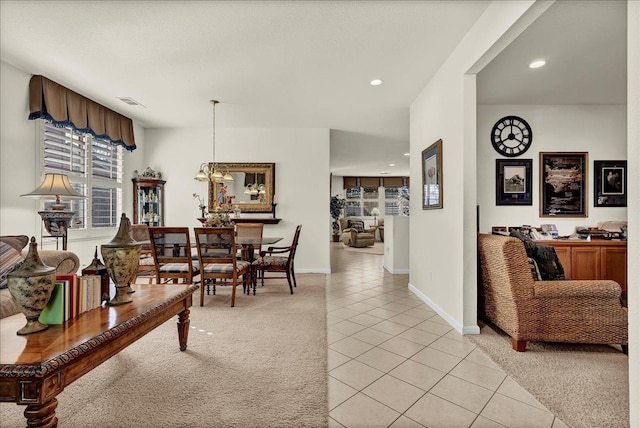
146	265
171	250
216	248
279	259
250	230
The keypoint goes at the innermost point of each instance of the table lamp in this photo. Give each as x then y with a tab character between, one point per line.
375	213
56	220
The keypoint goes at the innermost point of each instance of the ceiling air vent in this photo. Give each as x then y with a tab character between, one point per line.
130	101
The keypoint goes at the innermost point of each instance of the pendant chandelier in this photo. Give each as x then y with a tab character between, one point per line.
209	171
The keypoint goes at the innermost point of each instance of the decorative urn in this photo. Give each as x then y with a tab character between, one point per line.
31	286
121	257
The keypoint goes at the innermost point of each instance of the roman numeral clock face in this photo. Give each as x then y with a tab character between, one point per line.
511	136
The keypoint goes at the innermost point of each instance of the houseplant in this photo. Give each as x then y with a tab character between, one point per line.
335	208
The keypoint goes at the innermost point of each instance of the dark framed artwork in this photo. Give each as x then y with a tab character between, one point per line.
563	185
610	183
432	176
513	182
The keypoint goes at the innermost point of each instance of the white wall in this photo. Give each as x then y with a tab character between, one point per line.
396	244
20	171
302	170
633	165
598	130
443	245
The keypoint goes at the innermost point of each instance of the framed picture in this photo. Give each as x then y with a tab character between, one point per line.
610	183
513	182
432	176
563	186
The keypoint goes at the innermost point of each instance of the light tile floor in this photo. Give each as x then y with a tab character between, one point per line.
393	362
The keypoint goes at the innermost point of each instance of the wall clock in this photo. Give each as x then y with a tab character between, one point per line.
511	136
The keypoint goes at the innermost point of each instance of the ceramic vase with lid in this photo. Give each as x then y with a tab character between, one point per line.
31	286
121	257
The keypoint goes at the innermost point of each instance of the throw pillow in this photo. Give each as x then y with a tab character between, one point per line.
357	225
10	260
545	257
16	241
535	272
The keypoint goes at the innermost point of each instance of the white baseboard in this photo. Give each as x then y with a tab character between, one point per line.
324	271
394	271
467	329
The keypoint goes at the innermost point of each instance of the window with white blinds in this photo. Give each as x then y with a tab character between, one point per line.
90	163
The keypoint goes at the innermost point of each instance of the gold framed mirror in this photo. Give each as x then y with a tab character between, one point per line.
252	188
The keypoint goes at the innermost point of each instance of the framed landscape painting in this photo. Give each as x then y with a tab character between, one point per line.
513	182
610	183
563	185
432	176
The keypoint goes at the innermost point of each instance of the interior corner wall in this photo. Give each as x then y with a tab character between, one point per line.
601	131
302	179
442	248
17	155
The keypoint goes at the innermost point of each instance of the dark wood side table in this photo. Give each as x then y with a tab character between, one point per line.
35	368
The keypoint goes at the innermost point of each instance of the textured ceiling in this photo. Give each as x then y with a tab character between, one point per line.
281	64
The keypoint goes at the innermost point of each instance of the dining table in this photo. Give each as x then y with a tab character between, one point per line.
249	244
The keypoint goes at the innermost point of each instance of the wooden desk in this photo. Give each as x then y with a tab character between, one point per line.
35	368
595	259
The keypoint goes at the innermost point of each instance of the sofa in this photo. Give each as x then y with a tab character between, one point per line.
354	234
13	250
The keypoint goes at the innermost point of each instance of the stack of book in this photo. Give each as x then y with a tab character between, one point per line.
71	296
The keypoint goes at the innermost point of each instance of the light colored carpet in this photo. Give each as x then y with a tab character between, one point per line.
260	364
583	385
377	248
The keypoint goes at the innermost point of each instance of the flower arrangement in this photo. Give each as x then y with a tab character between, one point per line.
201	205
220	217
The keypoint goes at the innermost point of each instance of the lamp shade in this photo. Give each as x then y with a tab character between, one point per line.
375	212
55	186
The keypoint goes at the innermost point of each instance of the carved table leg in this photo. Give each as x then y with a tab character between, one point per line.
42	415
183	328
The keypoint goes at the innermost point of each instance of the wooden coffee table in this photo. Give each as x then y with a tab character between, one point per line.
35	368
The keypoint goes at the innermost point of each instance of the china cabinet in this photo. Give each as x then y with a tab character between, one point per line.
148	201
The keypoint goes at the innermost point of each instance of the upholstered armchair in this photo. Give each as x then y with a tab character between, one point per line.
583	311
354	234
381	228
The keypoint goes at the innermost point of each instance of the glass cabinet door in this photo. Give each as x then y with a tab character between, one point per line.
148	201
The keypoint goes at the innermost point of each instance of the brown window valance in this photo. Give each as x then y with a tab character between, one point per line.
349	182
61	106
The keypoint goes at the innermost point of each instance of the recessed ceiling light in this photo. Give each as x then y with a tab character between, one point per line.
407	154
537	63
375	82
392	164
383	172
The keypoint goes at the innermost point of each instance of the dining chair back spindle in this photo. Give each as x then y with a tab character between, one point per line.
171	250
279	259
146	265
216	248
